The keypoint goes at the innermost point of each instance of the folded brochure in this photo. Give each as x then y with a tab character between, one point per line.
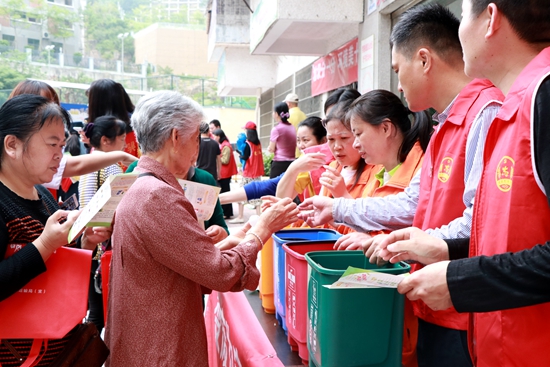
203	198
362	278
101	209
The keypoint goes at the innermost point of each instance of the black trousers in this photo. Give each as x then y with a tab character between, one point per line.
225	187
278	167
439	346
95	301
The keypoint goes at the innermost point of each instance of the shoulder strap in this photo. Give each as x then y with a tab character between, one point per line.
99	183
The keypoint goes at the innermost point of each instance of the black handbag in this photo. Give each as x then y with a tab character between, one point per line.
85	348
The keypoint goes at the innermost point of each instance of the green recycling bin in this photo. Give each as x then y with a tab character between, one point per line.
352	327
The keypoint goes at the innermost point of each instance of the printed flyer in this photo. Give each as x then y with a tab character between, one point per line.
361	278
202	197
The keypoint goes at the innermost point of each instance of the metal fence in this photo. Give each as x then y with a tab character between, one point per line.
53	58
202	90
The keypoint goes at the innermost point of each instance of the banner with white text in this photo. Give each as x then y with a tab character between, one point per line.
235	337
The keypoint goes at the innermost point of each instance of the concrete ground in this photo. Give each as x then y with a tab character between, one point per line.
248	211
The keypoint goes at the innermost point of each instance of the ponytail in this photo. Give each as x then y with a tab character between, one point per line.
282	110
421	130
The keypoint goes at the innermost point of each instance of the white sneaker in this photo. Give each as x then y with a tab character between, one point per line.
235	221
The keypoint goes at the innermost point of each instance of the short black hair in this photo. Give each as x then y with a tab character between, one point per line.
204	128
25	114
340	95
316	125
108	126
432	26
530	19
216	123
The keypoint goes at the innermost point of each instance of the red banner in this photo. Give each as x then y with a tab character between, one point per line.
335	70
235	336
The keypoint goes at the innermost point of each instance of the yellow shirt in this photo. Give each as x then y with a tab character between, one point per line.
296	116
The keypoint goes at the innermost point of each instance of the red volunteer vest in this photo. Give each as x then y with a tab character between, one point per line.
511	213
254	166
229	169
442	179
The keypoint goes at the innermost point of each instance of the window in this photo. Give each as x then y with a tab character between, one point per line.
69	2
33	43
19	15
67	24
33	19
58	47
10	39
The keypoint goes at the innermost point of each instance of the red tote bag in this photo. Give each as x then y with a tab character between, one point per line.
105	273
51	304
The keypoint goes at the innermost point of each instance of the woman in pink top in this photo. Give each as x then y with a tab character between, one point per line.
282	141
162	258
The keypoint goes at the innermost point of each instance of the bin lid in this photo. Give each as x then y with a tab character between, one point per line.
336	262
305	235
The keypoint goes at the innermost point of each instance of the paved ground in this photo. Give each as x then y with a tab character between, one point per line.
248	210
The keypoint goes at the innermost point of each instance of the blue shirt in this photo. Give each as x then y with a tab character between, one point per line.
257	189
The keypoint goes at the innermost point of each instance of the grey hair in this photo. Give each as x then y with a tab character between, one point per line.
157	113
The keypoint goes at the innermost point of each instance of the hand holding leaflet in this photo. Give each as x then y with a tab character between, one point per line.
361	278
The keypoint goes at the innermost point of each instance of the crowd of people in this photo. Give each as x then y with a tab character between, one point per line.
460	194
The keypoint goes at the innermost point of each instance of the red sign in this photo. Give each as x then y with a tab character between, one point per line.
335	70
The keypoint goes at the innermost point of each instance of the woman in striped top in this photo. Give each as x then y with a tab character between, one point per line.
106	134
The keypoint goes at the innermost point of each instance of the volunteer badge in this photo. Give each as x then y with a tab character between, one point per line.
445	169
505	173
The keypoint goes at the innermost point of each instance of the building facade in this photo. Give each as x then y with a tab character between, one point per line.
182	48
51	28
269	48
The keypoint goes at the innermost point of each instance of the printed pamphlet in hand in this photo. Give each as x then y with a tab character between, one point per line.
101	209
361	278
203	198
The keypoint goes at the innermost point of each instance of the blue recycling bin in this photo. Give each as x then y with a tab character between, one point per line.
291	236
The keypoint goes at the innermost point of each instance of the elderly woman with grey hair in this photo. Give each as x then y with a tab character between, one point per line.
162	258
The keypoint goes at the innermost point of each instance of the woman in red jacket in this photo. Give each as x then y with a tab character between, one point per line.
228	169
107	97
254	167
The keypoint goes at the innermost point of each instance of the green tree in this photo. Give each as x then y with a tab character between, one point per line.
145	15
129	5
103	23
15	11
77	58
9	77
197	18
60	20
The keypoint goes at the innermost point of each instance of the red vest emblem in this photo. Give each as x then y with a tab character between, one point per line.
505	173
445	169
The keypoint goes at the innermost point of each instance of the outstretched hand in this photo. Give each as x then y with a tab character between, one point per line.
412	244
279	215
316	211
352	241
234	239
